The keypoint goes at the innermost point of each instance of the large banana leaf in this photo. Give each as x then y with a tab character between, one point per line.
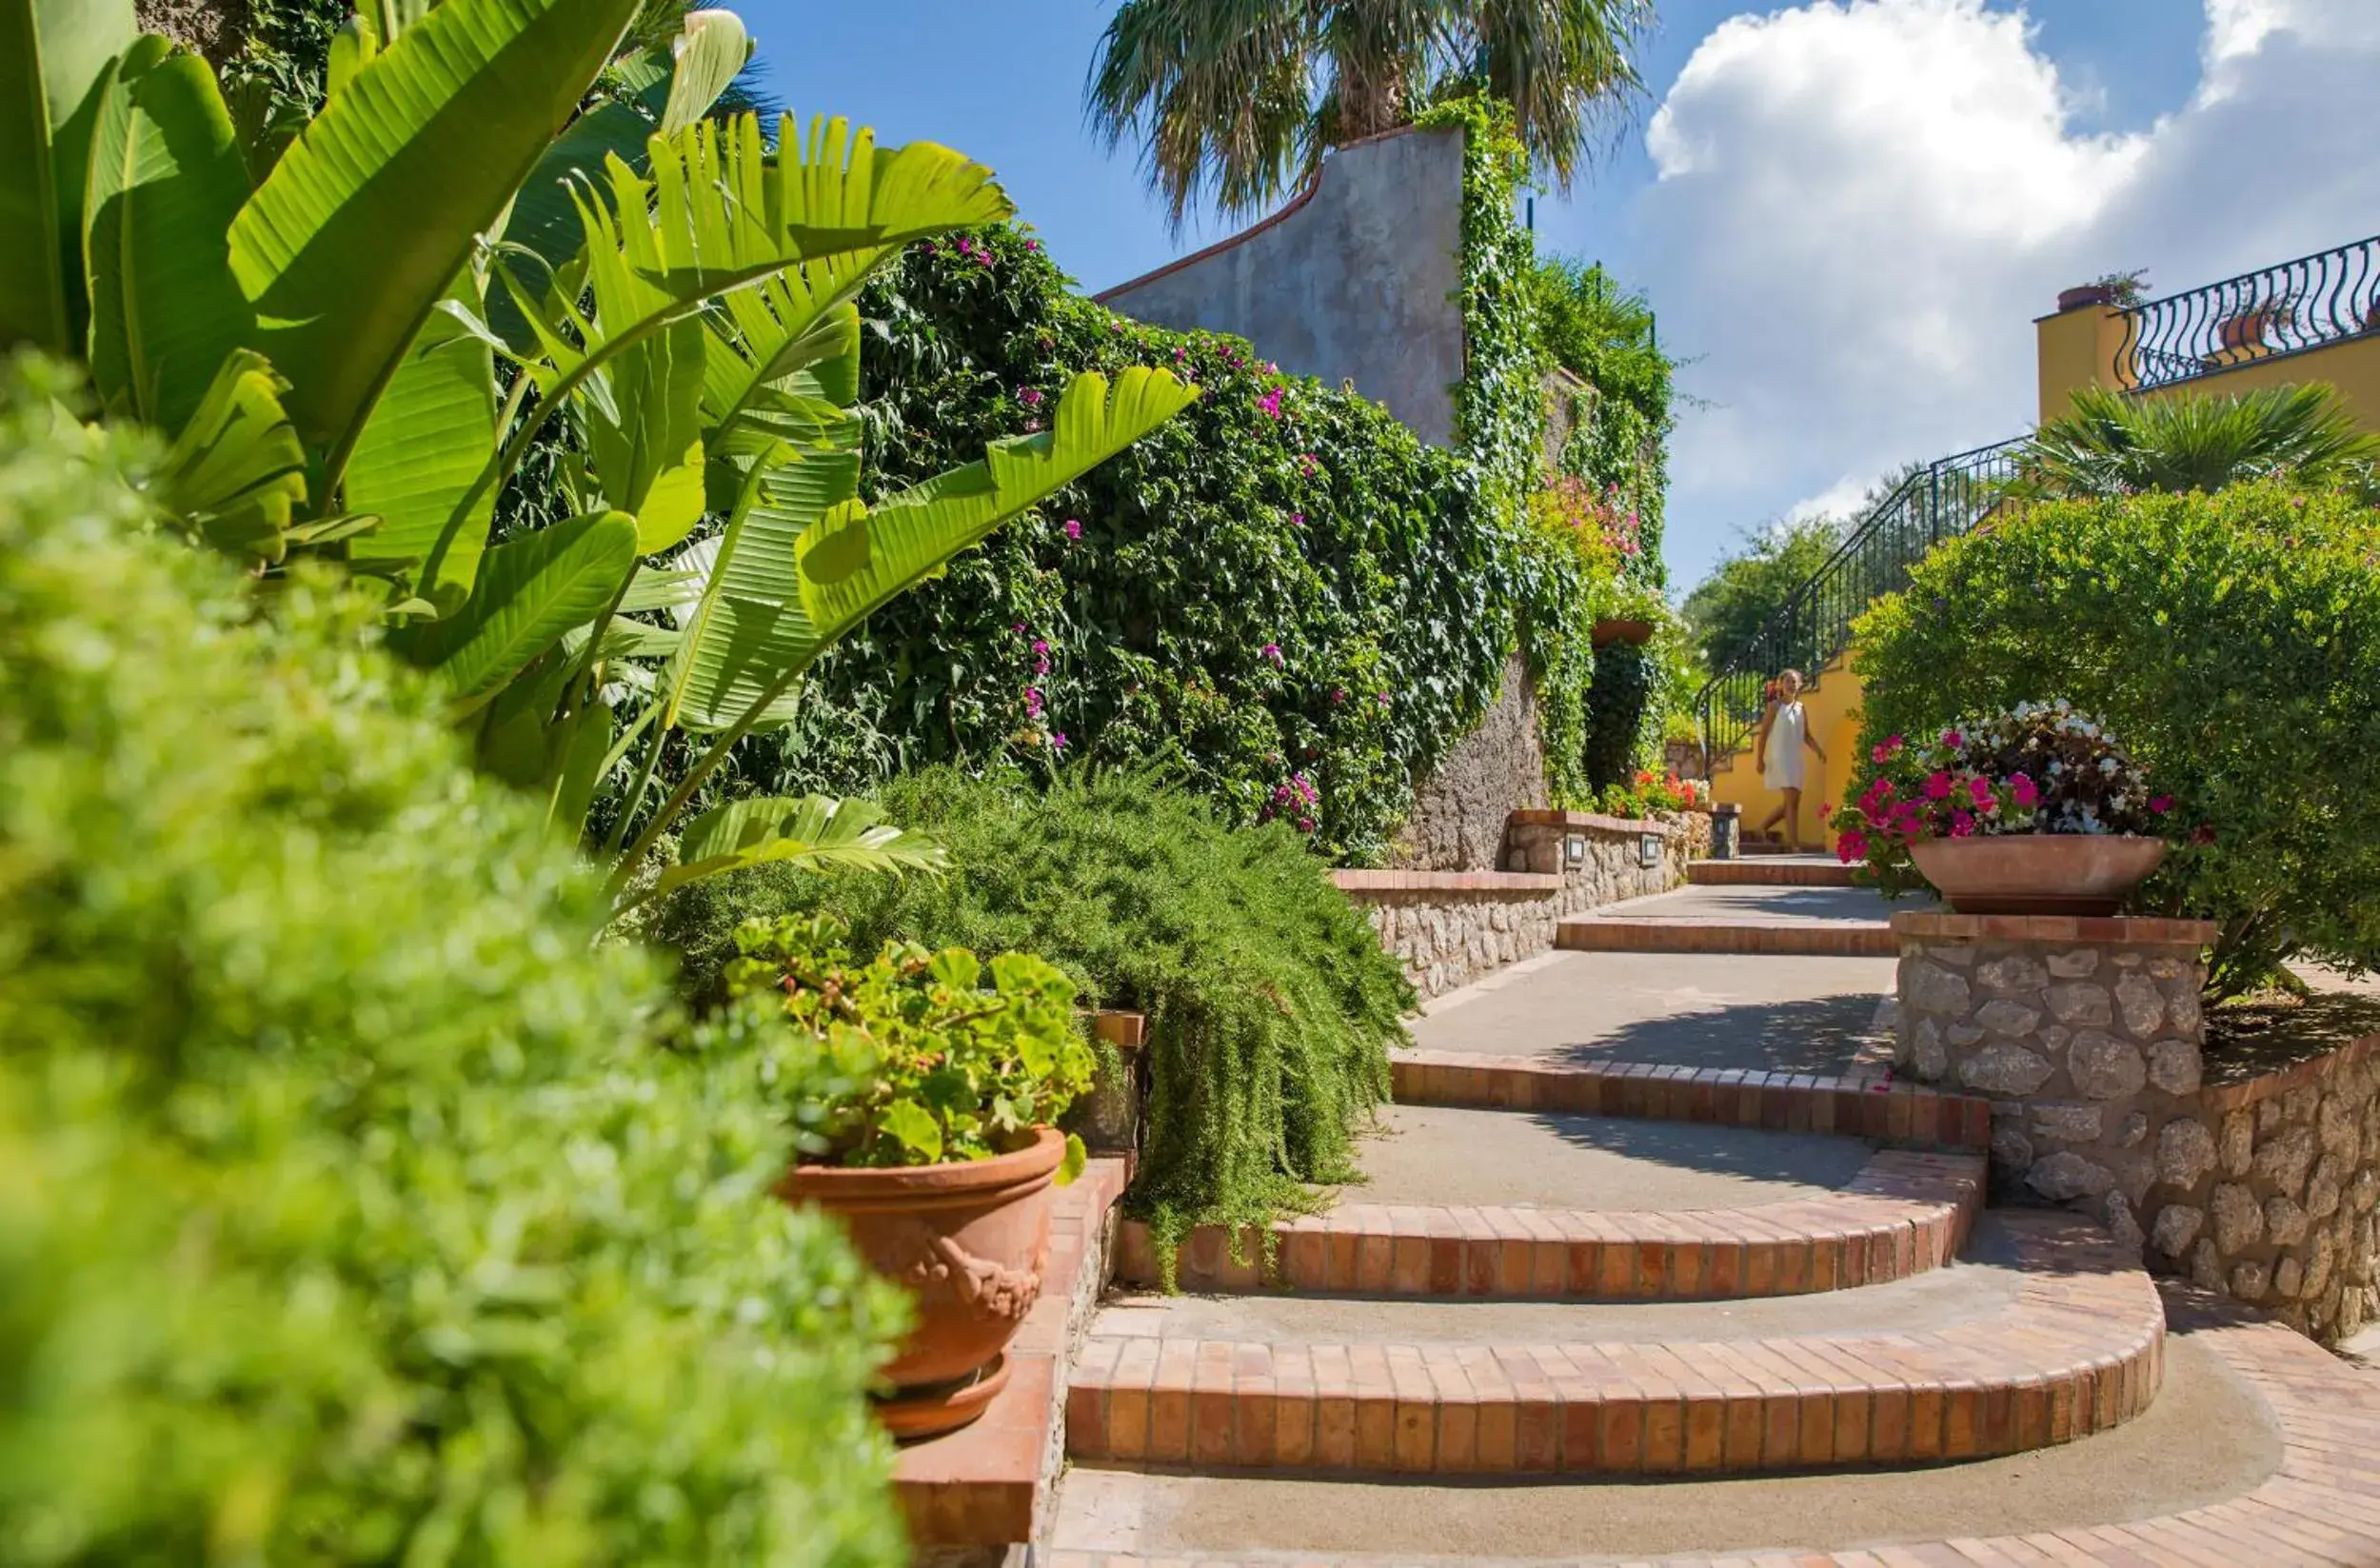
167	176
365	222
761	624
855	562
428	439
530	591
236	473
53	61
813	831
704	57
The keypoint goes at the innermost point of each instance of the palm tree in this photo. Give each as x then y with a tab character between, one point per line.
1236	100
2114	444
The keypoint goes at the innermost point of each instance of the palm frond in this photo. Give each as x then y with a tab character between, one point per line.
2113	444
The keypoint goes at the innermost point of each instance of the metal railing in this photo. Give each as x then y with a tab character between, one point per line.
2278	310
1940	500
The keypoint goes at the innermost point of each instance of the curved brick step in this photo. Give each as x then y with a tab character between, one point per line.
2316	1501
1776	938
1904	1213
2075	1348
1862	1104
1770	871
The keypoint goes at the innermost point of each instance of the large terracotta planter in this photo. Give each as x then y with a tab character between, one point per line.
2036	873
1634	633
968	1242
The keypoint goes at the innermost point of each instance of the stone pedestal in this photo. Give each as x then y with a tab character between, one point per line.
2087	1035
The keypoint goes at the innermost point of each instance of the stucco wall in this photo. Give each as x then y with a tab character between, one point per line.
1354	280
2081	348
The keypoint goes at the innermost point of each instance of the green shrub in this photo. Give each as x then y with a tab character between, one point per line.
911	1059
1618	705
2233	640
1271	1004
351	1215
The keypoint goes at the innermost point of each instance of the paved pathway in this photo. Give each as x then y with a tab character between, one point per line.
1726	1269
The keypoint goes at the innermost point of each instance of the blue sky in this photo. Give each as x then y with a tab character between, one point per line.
1846	212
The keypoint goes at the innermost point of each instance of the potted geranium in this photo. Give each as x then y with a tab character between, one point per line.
935	1141
2036	811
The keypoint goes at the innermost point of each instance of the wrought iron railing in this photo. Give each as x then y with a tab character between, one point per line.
2287	310
1940	500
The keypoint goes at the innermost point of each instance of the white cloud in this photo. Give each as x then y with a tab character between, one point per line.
1862	205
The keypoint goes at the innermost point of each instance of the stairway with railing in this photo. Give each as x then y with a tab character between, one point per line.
1940	500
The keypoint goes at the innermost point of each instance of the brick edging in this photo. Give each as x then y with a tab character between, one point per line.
1776	938
1903	1213
2117	930
2321	1505
1767	873
1860	1103
987	1484
2080	1350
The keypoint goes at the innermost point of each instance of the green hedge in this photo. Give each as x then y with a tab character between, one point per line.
1271	1005
350	1213
1282	583
2232	640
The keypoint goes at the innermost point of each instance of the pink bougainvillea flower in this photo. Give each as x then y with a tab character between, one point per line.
1031	396
1338	694
1305	824
1057	739
1074	528
1952	737
1852	846
2160	803
1272	651
1032	426
1384	699
1938	787
1033	245
2021	785
1962	825
1041	644
1880	753
1979	790
1297	520
1270	403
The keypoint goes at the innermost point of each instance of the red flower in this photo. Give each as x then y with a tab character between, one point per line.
1962	825
2204	834
2160	803
1938	787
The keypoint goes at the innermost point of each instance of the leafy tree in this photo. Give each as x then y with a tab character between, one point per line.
1236	102
2114	444
1726	611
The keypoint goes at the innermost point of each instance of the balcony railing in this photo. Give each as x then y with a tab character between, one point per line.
1940	500
2279	310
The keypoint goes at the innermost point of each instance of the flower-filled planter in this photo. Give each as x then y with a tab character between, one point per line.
934	1143
2035	811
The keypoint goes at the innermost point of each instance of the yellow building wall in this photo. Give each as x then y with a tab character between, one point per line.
2081	348
1833	706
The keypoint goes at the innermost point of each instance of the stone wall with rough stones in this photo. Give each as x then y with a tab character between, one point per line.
1453	927
2089	1038
1456	823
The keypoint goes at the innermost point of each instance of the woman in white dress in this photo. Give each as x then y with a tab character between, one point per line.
1784	730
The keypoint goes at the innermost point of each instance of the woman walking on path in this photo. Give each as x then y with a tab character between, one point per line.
1784	730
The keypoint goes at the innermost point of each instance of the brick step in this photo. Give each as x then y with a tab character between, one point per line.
2053	1337
1779	938
1770	871
1904	1213
2257	1450
1866	1103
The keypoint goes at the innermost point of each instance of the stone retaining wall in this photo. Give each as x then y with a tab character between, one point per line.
1453	927
2087	1036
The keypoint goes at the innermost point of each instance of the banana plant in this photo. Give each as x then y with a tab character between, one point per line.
320	346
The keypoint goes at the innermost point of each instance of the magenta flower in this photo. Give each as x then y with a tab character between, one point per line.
1041	644
2160	803
1032	426
1338	694
1852	846
1057	739
1033	245
1272	651
1305	824
1297	520
1962	825
1952	737
1073	528
1270	403
1031	396
1979	791
1032	703
2027	793
1880	754
1938	787
1384	699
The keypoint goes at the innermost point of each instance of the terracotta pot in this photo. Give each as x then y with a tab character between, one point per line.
2036	873
967	1240
2088	294
2247	331
1608	632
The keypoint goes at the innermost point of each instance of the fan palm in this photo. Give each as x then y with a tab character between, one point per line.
1236	100
2114	444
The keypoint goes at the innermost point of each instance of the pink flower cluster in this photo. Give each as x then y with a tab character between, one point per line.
1295	799
980	254
1270	403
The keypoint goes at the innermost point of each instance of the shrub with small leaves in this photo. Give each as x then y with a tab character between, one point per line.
922	1056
